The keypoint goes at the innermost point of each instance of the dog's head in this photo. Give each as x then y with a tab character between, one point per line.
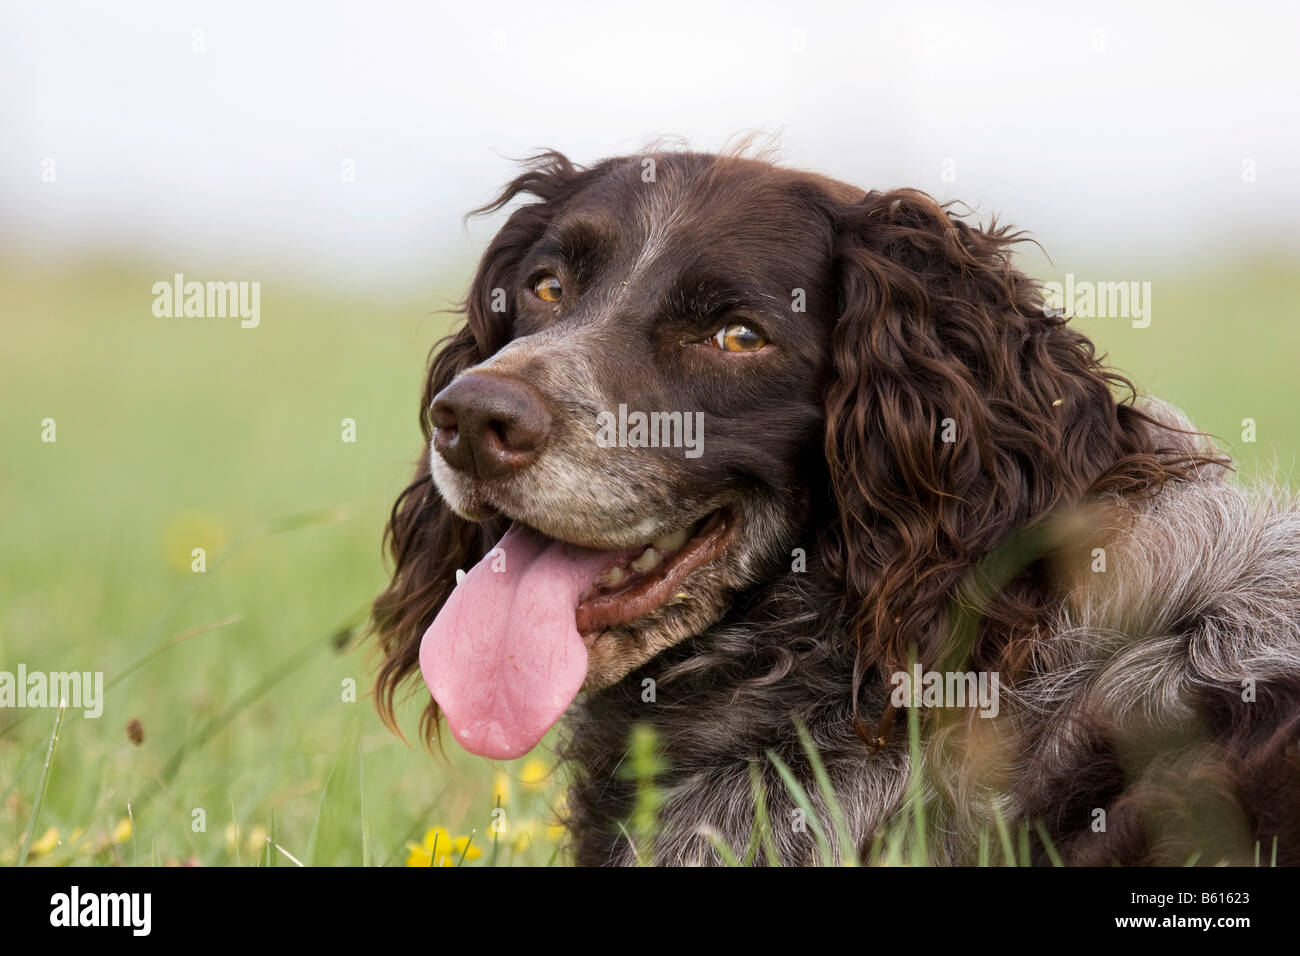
682	375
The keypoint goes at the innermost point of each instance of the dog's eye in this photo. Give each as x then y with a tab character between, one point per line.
738	338
548	288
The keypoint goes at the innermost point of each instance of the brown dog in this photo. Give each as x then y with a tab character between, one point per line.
730	445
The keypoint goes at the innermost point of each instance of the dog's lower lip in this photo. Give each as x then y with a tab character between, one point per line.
602	611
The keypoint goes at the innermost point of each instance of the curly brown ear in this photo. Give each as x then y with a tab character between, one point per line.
425	539
427	543
961	411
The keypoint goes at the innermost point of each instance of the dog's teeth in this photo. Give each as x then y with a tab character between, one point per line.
614	575
670	542
460	575
648	559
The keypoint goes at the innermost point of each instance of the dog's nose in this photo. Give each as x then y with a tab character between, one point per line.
488	425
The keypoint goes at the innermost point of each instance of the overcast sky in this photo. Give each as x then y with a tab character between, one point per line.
217	135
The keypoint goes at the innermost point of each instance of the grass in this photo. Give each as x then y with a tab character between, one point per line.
260	744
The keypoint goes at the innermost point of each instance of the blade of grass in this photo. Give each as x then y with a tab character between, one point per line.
762	835
348	748
365	821
27	764
800	797
877	846
234	822
496	832
1004	836
915	781
469	841
292	858
719	847
45	782
848	850
1047	843
180	638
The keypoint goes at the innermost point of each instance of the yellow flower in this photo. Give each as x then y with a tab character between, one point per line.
439	842
533	774
122	832
254	843
555	829
193	529
500	790
458	847
526	833
75	837
257	839
232	837
48	841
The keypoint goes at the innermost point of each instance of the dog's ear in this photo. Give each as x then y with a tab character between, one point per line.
960	412
426	541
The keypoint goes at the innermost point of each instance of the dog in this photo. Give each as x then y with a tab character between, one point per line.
761	460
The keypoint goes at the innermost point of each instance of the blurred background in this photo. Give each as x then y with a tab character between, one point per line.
327	152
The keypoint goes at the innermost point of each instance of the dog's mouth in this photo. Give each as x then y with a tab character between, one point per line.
638	581
508	651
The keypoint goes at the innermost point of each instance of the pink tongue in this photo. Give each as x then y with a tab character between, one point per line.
504	658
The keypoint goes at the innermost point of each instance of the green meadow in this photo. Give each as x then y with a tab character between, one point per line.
237	726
